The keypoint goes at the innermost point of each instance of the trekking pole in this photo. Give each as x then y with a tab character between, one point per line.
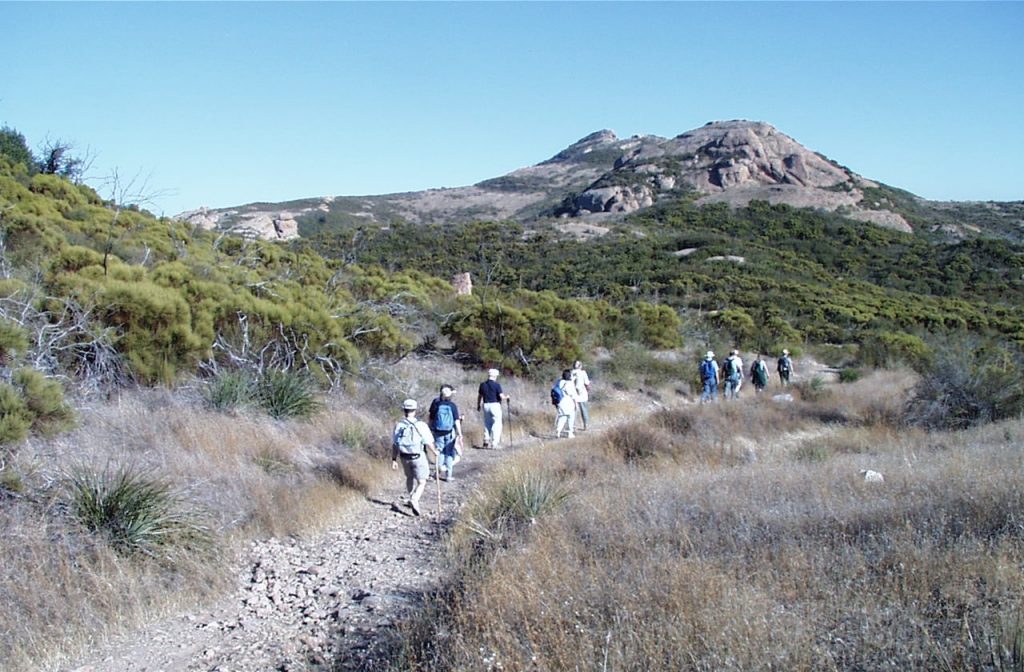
508	405
437	477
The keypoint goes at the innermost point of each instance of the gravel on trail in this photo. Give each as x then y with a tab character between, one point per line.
327	602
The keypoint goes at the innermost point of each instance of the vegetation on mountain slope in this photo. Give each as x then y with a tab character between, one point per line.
765	274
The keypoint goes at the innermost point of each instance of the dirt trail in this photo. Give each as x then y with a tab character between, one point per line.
318	603
326	602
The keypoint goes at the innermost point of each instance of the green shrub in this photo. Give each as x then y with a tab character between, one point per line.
812	390
287	394
134	512
10	480
968	384
889	349
850	375
13	341
15	418
44	400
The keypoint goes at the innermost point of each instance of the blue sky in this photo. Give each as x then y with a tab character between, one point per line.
221	104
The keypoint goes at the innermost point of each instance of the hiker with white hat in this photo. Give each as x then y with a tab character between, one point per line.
709	378
409	443
489	401
732	372
785	368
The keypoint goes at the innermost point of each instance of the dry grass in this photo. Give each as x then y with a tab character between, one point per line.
242	475
683	559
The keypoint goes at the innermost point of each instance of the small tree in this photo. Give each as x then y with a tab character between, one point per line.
14	148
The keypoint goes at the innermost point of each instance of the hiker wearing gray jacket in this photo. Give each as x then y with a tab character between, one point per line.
409	443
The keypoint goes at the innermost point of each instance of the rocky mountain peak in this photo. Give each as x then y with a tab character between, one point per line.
602	176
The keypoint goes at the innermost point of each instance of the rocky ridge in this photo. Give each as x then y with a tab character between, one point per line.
602	177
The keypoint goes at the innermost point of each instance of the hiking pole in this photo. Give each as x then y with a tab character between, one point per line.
437	477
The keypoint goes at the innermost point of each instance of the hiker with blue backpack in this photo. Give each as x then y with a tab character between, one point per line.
564	397
410	442
732	373
446	426
709	378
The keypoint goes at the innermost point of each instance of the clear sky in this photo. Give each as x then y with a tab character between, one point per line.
222	104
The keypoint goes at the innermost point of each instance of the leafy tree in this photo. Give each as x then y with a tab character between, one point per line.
14	148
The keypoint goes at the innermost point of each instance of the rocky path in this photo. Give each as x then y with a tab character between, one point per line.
311	604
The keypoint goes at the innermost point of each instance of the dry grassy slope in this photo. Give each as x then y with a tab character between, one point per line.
330	599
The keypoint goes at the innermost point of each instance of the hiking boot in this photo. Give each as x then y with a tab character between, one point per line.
415	508
450	478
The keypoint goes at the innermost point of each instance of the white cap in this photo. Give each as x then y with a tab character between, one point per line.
492	373
409	405
710	355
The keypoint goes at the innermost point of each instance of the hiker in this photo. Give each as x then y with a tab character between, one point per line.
446	426
759	373
709	378
732	373
581	381
410	442
564	397
785	368
489	400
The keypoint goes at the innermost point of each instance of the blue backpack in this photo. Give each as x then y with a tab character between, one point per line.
444	418
557	393
707	369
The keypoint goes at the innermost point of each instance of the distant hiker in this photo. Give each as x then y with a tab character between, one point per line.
446	426
709	378
582	382
489	400
564	397
732	373
785	368
409	443
759	373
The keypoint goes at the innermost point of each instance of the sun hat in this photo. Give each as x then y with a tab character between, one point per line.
409	405
710	355
785	352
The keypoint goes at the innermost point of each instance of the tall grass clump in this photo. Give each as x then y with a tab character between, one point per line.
503	510
134	512
636	443
230	390
286	394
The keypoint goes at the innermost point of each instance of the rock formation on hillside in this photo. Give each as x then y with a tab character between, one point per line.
601	177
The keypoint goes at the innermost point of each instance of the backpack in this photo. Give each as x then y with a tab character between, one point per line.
707	369
444	419
557	393
408	440
729	367
784	364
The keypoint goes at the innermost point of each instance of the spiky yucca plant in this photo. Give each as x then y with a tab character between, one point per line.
135	512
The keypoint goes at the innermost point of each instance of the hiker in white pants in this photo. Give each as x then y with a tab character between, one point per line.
566	407
489	400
